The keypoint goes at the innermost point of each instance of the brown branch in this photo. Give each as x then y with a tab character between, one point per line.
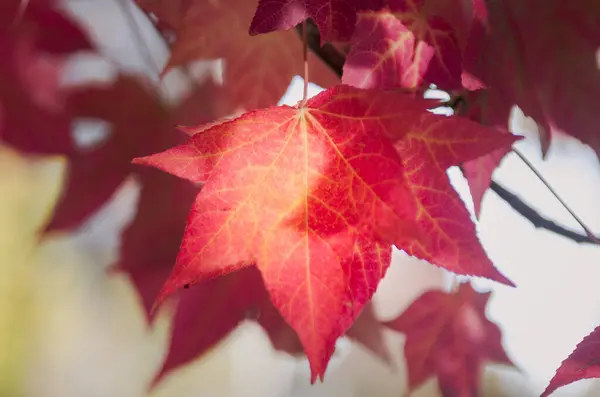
335	60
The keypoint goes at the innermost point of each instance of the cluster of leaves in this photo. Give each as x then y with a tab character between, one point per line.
288	215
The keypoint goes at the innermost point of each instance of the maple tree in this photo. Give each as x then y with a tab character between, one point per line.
287	215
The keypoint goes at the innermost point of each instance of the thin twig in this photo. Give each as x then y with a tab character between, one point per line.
305	57
551	189
335	60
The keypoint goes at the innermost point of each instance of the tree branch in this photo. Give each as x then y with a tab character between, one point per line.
534	217
335	60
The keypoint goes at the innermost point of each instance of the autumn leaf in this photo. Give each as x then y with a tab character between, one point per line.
306	192
541	55
211	30
411	44
449	336
479	175
335	18
480	108
208	312
427	152
582	363
262	204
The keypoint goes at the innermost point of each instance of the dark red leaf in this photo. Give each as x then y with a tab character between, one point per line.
449	336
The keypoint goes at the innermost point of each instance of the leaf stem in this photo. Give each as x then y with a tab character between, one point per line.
551	189
305	57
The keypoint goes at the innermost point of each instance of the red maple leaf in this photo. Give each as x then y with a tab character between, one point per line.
335	18
313	195
411	44
541	55
479	107
449	336
427	152
212	30
208	312
582	363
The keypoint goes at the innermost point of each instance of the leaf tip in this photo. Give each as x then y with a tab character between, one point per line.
496	275
146	160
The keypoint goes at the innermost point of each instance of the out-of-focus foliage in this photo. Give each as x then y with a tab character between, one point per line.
29	190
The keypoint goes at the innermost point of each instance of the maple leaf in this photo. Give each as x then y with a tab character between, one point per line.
479	107
210	311
335	18
558	93
582	363
449	336
315	195
411	44
427	152
213	30
262	173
